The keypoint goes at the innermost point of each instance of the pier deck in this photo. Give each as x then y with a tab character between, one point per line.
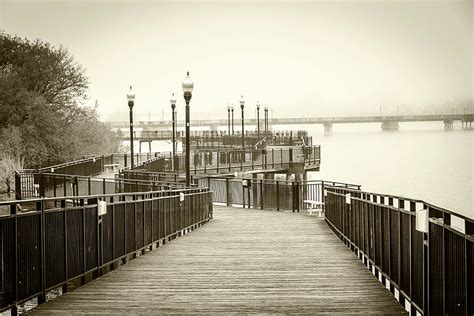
243	261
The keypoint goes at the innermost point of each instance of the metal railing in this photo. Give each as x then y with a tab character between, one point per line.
423	253
48	243
230	160
267	193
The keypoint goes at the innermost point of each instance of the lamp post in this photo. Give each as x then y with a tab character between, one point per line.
242	104
188	86
232	111
228	120
131	102
266	119
173	106
258	121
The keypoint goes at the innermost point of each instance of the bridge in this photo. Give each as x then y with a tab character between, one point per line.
388	122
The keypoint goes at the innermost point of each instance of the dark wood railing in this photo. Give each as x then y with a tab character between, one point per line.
50	243
429	267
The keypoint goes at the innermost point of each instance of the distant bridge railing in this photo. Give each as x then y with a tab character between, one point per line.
49	243
423	253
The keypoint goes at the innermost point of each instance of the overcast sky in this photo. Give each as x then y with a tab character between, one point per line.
301	58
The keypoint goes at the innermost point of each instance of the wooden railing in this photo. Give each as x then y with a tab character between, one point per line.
423	253
50	243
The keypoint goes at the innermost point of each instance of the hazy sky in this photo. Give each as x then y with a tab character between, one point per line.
300	58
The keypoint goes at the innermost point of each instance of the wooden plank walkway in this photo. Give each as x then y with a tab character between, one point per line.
243	261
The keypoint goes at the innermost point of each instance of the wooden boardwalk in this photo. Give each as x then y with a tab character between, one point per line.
243	261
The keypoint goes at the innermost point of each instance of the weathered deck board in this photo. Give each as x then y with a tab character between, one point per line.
243	261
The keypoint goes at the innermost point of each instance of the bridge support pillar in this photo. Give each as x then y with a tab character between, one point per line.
448	125
327	129
390	126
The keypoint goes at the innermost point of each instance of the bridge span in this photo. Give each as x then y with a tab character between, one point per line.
388	122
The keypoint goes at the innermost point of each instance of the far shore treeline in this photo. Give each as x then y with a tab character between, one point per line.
42	117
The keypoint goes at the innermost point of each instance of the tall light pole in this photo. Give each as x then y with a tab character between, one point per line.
258	121
266	119
242	105
173	106
188	86
232	111
228	120
131	102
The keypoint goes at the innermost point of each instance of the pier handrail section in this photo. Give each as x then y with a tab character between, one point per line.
48	243
423	253
268	193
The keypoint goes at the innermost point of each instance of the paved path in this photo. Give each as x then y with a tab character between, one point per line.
243	261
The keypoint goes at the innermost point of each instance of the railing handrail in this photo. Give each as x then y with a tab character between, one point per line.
79	197
415	200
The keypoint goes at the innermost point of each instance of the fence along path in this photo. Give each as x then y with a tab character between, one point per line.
246	261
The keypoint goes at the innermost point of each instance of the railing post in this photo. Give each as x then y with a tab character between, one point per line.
296	196
281	157
195	163
277	196
293	206
241	158
261	194
42	296
228	195
243	194
273	158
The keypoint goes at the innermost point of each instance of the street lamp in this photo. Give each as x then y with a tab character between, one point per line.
131	102
232	112
228	119
242	104
188	86
258	121
266	119
173	106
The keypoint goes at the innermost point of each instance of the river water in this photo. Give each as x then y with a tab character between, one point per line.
420	160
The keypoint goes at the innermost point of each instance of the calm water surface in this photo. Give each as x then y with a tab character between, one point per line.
419	161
